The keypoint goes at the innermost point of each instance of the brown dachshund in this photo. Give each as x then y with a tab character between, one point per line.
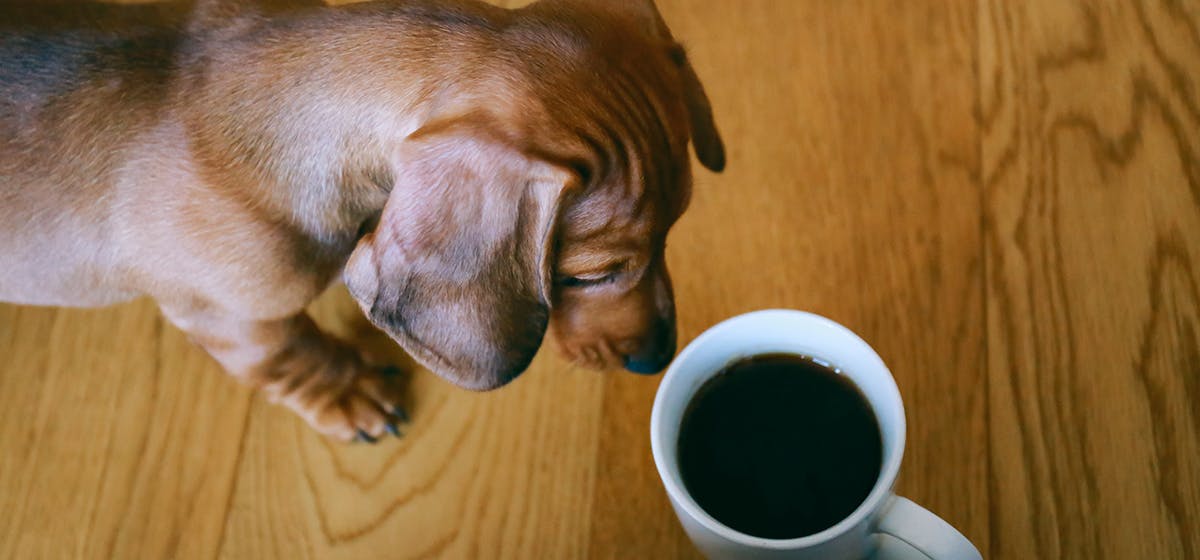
472	173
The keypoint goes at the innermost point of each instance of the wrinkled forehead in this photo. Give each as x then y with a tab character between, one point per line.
642	183
629	211
625	109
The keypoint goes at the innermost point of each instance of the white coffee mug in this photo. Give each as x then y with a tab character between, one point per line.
884	526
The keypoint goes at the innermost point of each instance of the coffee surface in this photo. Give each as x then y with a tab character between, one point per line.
779	446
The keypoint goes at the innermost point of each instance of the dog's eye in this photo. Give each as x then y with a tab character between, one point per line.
585	281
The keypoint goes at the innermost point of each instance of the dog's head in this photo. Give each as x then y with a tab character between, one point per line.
551	198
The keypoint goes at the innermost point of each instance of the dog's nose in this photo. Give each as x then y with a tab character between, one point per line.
644	367
656	353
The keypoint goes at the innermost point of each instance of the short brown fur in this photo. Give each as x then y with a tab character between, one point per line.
472	173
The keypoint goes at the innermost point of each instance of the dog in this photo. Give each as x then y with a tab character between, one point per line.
475	175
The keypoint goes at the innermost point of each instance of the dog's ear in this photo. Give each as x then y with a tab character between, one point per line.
459	268
710	149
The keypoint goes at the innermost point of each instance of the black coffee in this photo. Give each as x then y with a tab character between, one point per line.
779	446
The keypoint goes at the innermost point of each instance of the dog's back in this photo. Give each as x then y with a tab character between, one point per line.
51	54
77	83
93	143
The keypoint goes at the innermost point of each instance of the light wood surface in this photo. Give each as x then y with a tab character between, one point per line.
1002	196
1091	175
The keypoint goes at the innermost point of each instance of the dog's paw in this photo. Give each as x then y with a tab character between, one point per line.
361	404
372	406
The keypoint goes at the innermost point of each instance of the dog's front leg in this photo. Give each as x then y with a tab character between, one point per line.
322	379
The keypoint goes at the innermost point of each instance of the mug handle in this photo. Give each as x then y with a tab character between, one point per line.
908	531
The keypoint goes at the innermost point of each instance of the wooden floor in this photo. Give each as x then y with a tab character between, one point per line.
1002	196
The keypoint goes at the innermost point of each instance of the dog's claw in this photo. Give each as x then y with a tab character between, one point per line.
392	429
400	414
364	437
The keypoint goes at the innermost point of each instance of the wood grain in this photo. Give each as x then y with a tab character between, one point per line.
1003	197
1091	158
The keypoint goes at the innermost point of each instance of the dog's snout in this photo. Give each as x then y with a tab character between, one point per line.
655	353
